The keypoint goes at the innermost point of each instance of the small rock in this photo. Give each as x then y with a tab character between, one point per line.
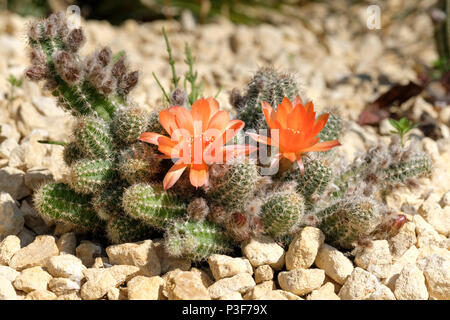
35	177
35	254
375	259
113	293
87	251
263	273
100	262
241	282
32	219
260	290
7	291
436	216
303	248
6	147
186	285
409	257
145	288
264	250
11	218
337	266
12	181
436	269
141	254
67	243
445	200
207	279
31	279
426	235
301	281
410	284
8	247
381	293
223	266
62	286
40	295
70	296
66	266
359	285
232	296
8	273
403	240
325	292
26	237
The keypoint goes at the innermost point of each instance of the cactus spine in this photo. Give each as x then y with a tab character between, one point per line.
89	176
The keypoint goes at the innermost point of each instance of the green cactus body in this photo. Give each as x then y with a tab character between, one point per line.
93	137
333	128
128	124
233	185
56	202
122	229
196	240
318	175
282	212
153	124
267	85
139	163
107	202
419	166
347	221
90	176
152	205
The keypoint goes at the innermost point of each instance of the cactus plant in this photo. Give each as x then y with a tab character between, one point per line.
120	175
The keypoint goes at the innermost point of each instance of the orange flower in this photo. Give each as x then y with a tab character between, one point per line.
294	130
197	139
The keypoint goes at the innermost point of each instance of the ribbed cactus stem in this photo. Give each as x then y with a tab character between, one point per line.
282	212
122	229
419	166
107	202
72	153
128	124
196	240
90	176
93	137
56	201
139	163
333	128
152	205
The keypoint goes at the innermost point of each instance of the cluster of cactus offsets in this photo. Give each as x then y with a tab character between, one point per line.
115	183
266	85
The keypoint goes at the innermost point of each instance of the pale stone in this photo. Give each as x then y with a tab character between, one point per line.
67	243
186	285
6	147
101	262
66	266
223	266
260	290
263	273
12	181
375	259
26	236
7	291
8	273
31	279
426	235
381	293
145	288
117	293
35	177
11	218
40	295
403	240
337	266
409	257
301	281
87	251
410	284
62	286
70	296
303	248
325	292
359	285
231	296
264	250
36	253
168	262
241	282
32	219
141	254
436	216
436	269
445	200
207	278
8	247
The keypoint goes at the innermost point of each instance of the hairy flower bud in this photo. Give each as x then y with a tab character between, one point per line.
75	39
36	73
104	56
178	97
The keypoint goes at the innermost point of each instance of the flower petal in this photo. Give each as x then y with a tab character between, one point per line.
183	118
259	138
202	110
270	115
198	174
173	174
323	146
167	120
283	110
301	166
150	137
219	121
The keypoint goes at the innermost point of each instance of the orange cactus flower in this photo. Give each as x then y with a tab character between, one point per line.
197	139
294	129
